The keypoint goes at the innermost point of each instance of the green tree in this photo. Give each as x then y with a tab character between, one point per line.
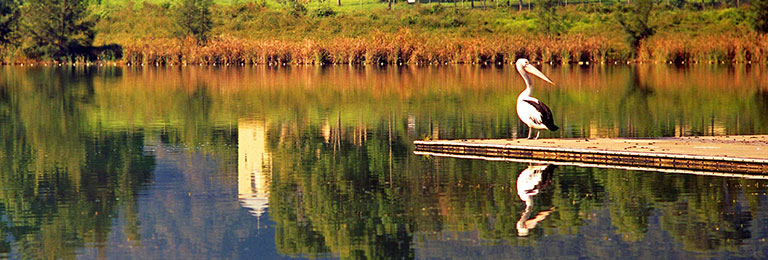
635	19
193	17
57	29
546	10
759	15
9	21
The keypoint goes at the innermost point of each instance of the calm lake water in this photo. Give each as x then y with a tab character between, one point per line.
261	163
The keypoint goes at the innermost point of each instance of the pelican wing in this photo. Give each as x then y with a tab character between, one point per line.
545	115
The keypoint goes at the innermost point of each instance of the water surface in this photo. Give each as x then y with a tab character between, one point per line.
260	162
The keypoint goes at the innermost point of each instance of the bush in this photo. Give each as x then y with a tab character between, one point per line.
295	8
324	11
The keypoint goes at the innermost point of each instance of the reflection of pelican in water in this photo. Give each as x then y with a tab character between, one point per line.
529	183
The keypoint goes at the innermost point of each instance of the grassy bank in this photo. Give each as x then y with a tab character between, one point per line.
270	33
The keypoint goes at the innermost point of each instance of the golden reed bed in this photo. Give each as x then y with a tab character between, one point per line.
408	48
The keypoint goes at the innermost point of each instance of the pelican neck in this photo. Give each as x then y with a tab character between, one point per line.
528	84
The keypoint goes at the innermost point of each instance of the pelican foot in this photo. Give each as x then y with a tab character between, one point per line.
537	134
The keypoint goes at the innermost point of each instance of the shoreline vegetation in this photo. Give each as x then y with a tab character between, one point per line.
393	49
321	33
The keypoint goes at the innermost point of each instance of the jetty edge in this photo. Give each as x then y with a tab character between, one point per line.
726	154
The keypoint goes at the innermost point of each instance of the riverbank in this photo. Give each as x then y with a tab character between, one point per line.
259	33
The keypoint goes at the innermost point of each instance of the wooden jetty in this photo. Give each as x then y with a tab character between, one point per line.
720	154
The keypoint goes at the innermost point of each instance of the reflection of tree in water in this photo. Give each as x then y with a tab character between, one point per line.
634	111
337	188
328	197
334	197
333	193
761	98
575	193
65	182
324	205
706	217
697	211
630	207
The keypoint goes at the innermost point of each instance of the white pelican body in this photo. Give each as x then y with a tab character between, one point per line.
530	110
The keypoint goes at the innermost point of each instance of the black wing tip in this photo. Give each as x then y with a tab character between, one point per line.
553	127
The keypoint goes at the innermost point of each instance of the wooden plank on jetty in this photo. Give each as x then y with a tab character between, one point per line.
723	154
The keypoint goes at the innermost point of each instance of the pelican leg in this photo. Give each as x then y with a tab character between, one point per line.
537	134
530	132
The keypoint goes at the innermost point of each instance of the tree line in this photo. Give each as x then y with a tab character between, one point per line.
63	30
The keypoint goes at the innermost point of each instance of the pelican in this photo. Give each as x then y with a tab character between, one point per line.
529	109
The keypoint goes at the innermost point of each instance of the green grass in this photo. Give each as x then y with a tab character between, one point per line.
119	25
247	19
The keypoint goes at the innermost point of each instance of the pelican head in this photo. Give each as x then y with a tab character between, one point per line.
525	67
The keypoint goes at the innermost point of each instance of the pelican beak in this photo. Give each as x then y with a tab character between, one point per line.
533	70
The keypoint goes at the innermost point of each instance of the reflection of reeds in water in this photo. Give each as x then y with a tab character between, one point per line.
412	81
610	101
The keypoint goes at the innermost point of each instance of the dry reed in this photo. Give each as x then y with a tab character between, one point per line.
406	47
725	48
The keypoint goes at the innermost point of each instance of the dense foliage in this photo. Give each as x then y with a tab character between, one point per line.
57	29
9	20
760	15
548	18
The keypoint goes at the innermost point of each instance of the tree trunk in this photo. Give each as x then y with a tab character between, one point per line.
519	5
339	2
